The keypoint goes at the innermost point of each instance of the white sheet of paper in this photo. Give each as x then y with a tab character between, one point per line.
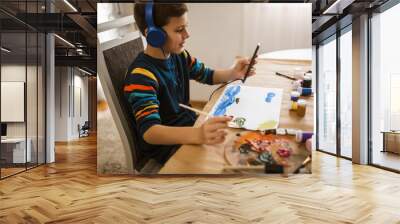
253	108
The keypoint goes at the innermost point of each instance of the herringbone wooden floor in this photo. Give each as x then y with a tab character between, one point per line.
69	191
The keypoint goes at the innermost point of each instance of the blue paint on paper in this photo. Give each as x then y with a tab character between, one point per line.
227	100
270	95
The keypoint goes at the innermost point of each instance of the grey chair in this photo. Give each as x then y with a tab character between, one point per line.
83	130
114	58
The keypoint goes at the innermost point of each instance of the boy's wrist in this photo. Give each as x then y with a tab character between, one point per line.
232	74
199	139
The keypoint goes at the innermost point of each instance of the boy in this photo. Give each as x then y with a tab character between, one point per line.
158	80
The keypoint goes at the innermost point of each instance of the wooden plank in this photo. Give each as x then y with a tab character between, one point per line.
70	191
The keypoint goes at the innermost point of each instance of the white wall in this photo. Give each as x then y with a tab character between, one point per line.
33	126
12	73
221	31
67	115
61	103
277	26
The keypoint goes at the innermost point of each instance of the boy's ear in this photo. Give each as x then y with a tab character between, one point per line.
145	32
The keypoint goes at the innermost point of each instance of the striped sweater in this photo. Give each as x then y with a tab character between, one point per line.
154	88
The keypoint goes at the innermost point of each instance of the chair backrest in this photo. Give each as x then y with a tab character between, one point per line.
114	58
117	61
86	125
119	58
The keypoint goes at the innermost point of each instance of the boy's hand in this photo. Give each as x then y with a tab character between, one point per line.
212	131
239	68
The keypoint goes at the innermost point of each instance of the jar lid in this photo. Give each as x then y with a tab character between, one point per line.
301	102
295	94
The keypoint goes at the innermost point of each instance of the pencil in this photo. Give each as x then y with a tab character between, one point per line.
194	110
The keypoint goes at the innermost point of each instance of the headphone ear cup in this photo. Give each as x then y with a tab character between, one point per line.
156	37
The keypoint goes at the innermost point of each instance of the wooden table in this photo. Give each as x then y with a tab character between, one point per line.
391	141
210	159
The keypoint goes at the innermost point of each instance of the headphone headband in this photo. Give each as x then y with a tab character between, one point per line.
149	14
156	36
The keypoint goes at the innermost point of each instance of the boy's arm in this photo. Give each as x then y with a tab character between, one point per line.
211	132
140	90
222	75
201	73
169	135
237	71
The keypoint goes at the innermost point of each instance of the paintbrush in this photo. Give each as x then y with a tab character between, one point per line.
231	123
194	110
286	76
243	168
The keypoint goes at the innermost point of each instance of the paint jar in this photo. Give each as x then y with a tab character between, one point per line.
281	131
296	84
294	96
304	91
306	82
293	105
291	131
301	107
302	136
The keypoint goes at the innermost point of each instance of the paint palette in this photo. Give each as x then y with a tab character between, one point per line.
256	149
253	108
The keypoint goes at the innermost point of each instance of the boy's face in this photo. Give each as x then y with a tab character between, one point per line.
177	34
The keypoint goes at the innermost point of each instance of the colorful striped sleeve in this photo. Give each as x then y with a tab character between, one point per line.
197	70
140	90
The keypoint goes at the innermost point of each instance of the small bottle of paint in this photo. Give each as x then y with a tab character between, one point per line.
301	107
281	131
302	136
306	82
304	91
293	105
291	131
294	96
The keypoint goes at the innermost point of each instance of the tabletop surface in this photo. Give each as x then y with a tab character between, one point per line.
210	159
391	132
13	140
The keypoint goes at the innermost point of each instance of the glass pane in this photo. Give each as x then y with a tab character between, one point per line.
13	86
41	98
31	97
386	89
327	97
346	94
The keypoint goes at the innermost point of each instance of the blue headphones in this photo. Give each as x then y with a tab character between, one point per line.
156	36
